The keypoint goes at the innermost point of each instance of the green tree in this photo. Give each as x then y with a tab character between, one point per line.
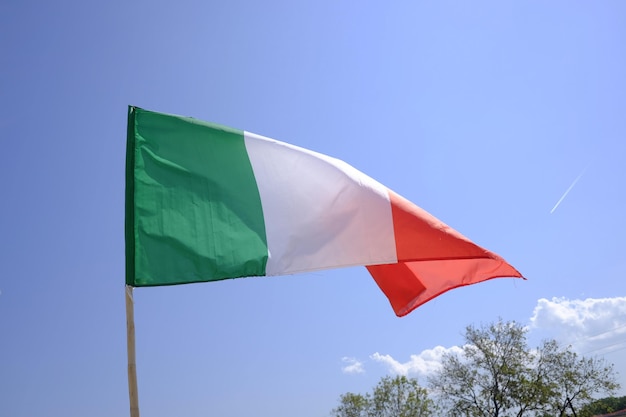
578	380
352	405
492	378
603	406
392	397
498	375
400	397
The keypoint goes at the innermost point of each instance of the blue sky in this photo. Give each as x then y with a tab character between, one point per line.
483	113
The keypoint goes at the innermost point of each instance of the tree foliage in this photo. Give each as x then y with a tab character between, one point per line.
577	380
603	406
392	397
400	397
352	405
498	375
492	377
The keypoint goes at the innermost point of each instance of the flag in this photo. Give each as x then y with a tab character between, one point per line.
206	202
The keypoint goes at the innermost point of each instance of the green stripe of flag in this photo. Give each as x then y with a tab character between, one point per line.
193	210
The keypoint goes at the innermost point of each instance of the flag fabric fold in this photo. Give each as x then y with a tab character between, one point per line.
206	202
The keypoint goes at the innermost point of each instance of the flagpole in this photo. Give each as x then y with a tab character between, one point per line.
130	345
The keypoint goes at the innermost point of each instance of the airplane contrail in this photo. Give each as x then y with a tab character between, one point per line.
568	190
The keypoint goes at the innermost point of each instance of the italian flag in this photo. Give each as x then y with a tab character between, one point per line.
206	202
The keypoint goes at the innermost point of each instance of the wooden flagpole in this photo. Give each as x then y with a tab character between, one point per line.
130	345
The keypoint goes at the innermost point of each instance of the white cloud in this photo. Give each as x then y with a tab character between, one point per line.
593	325
422	364
352	366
